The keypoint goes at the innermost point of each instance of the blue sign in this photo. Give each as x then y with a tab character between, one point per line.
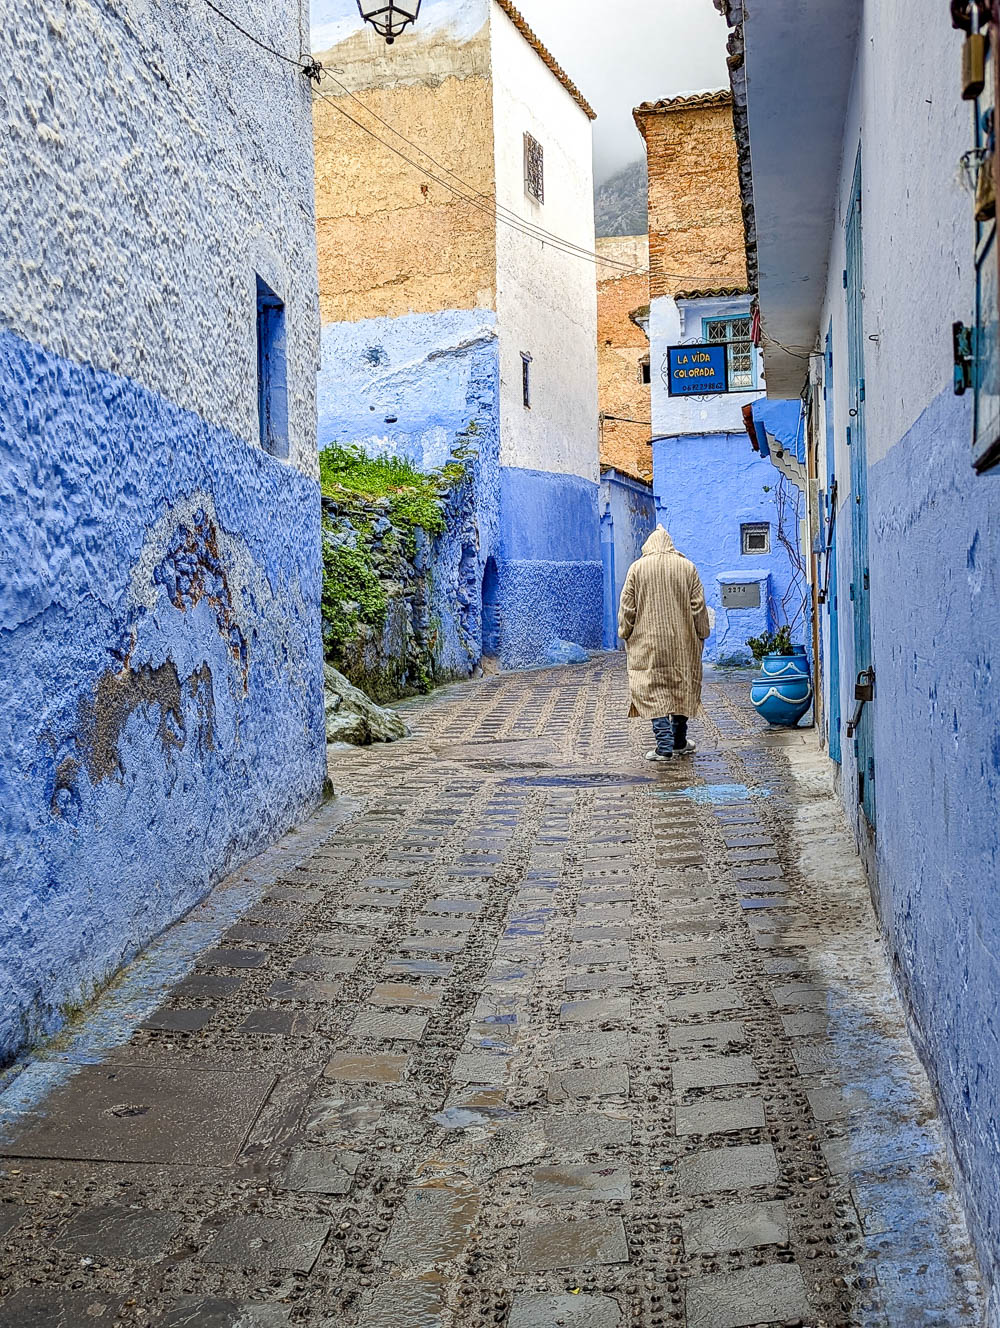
697	370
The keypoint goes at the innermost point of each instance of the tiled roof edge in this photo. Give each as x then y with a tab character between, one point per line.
666	105
519	22
713	293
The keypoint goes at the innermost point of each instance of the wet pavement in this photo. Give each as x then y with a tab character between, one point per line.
519	1030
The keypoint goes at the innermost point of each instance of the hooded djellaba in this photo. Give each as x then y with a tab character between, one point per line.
663	622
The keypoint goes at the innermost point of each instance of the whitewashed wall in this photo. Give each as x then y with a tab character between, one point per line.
671	324
546	300
136	248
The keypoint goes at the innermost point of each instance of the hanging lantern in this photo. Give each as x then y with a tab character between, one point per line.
389	18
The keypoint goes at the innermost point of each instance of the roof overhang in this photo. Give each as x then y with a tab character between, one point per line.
798	64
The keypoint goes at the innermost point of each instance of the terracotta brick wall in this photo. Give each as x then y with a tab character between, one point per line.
695	215
621	347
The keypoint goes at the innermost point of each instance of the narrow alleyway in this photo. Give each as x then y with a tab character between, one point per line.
519	1031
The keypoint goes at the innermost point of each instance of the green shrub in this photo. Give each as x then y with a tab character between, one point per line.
772	643
349	578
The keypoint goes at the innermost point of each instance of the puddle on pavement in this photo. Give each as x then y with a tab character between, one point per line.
716	795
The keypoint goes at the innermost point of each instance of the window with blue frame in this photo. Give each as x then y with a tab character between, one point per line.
735	332
272	372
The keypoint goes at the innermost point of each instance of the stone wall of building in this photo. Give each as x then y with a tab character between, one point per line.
426	247
695	210
622	350
160	661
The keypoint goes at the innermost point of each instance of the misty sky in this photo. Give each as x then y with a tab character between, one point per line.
618	52
622	52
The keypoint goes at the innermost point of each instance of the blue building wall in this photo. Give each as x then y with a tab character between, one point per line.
628	516
705	487
426	386
405	386
551	581
160	655
935	606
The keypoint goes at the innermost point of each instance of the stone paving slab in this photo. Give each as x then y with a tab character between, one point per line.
517	1031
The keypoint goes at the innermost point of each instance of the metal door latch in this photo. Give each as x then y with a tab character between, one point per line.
864	691
961	340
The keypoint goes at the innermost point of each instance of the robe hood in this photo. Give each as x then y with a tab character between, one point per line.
658	542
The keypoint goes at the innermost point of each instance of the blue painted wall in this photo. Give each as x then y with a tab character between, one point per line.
426	386
628	516
705	487
160	650
551	580
405	386
935	604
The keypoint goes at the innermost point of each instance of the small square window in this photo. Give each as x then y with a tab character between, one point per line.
534	169
736	334
644	374
755	537
526	379
272	372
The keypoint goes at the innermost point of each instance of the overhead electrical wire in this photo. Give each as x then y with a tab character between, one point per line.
288	59
488	199
483	202
553	241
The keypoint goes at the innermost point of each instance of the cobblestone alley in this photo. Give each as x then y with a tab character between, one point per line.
519	1030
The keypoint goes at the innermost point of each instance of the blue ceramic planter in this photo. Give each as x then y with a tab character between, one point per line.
781	666
783	692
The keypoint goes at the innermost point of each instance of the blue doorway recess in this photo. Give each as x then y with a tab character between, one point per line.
864	749
491	609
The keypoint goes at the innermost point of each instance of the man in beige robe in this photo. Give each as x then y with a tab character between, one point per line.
664	622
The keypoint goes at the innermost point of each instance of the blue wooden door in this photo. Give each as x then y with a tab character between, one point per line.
829	517
860	579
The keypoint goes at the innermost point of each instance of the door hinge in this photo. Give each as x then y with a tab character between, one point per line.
845	278
865	581
852	592
861	390
961	341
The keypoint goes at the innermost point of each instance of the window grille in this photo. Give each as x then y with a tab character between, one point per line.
735	332
534	168
755	537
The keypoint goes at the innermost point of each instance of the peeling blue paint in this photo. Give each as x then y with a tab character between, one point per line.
160	615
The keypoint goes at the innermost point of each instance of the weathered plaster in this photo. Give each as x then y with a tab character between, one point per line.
935	594
622	347
155	162
407	385
695	215
160	639
393	241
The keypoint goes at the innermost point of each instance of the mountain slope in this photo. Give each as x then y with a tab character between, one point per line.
620	202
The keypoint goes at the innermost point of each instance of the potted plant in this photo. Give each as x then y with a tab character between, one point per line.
783	692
